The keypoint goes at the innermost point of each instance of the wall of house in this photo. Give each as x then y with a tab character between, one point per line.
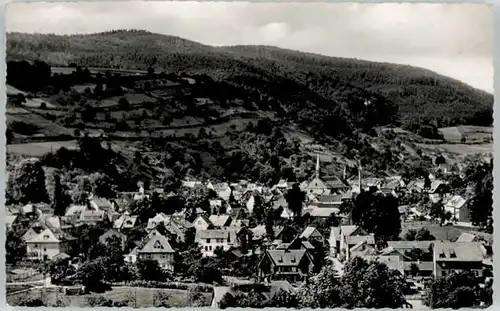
209	246
165	260
463	266
37	251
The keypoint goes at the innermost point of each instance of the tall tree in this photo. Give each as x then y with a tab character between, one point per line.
27	183
295	198
371	285
61	199
377	214
455	290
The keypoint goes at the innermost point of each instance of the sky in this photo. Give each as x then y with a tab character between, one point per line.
455	40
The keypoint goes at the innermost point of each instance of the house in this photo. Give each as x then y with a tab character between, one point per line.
458	256
158	248
285	234
12	222
404	246
320	212
392	262
331	199
422	268
155	221
458	208
239	223
223	191
220	221
125	222
73	213
202	222
259	232
297	244
93	217
357	242
101	204
284	264
47	244
192	183
362	249
112	233
132	256
312	234
350	236
213	239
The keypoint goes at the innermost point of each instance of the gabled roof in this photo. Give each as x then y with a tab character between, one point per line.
49	236
456	202
101	202
407	245
75	210
321	211
92	215
225	234
286	257
220	220
308	231
110	233
10	219
157	244
348	230
363	249
356	239
467	237
125	221
204	218
459	251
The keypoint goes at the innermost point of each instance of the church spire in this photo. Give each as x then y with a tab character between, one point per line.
317	166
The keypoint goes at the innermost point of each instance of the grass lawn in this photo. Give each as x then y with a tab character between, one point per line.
440	233
40	148
143	296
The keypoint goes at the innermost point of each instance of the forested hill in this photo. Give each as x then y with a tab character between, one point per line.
273	73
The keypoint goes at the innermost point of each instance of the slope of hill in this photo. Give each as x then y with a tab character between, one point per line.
271	73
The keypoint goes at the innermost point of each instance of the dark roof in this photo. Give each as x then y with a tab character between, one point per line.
286	257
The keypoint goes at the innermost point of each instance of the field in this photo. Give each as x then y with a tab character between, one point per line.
40	148
44	127
440	233
13	91
144	297
472	133
459	149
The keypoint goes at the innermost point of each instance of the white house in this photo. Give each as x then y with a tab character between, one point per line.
210	240
158	248
47	244
202	223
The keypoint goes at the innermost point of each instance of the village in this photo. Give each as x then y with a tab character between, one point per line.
248	238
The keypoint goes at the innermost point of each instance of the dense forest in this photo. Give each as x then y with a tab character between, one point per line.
294	79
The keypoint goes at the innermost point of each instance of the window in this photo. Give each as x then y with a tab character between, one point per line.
208	240
206	248
44	249
210	247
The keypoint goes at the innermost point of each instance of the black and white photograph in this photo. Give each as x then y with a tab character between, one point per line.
249	155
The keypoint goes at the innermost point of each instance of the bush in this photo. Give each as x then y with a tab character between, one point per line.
166	285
